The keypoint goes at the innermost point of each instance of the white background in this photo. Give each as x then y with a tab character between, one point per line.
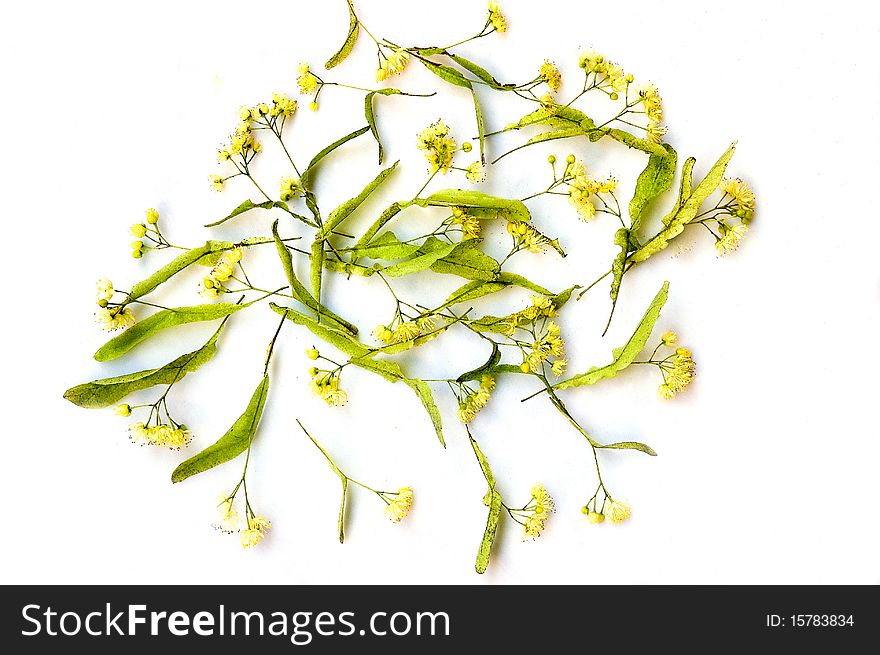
767	470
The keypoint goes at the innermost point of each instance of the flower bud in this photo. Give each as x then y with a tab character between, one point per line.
312	353
122	410
138	230
595	518
551	159
466	146
569	160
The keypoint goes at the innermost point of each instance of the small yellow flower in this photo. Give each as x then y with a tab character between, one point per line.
551	75
138	230
618	511
312	353
103	290
496	17
595	517
655	132
742	195
152	216
122	410
227	514
558	367
669	338
543	506
731	238
307	82
398	508
438	146
313	106
475	173
290	187
217	182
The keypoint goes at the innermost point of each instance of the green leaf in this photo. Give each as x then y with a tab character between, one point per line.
337	338
481	124
448	74
560	133
468	262
685	188
232	444
621	240
346	209
480	204
109	391
316	268
484	463
421	261
309	173
630	140
423	391
485	549
481	73
162	320
173	268
688	209
341	521
347	268
390	212
480	371
371	117
299	291
630	445
512	279
557	117
625	355
350	40
653	181
386	246
248	205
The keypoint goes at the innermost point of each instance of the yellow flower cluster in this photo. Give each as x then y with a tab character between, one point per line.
549	348
475	401
610	74
551	75
405	331
653	105
256	531
743	197
496	18
398	507
541	506
527	237
242	141
212	284
581	189
678	375
115	318
392	65
290	187
307	82
103	291
160	435
325	385
471	228
438	146
541	306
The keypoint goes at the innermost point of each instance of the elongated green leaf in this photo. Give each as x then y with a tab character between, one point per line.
485	549
346	209
350	39
420	261
448	74
337	338
558	117
248	205
625	355
385	246
484	463
655	180
468	262
481	124
341	521
171	268
621	240
232	444
371	117
423	391
485	369
688	209
629	140
309	174
631	445
684	189
109	391
474	201
162	320
316	268
560	133
481	73
299	291
347	268
390	212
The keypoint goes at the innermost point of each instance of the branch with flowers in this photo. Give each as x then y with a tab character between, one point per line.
525	342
